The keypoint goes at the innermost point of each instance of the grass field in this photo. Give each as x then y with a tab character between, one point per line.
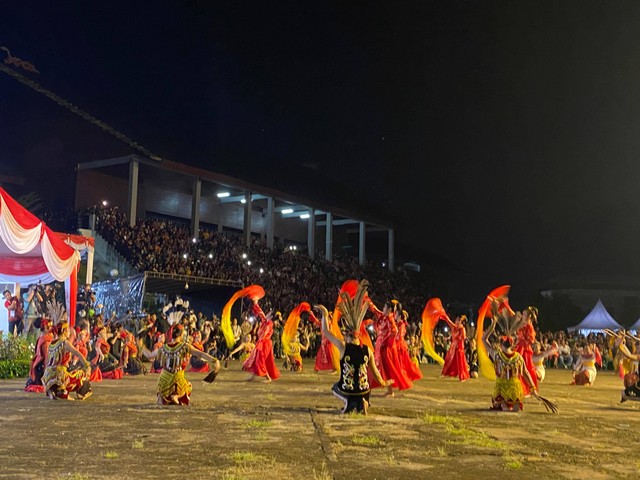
291	429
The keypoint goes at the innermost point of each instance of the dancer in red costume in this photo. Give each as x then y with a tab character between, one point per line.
526	336
197	364
34	382
385	352
413	370
156	365
130	363
261	362
455	362
324	357
103	361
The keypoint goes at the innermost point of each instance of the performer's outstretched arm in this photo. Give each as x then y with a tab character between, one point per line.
326	331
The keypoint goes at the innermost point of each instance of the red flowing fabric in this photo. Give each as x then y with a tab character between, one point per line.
22	266
386	353
484	362
291	325
261	362
324	358
254	292
24	217
73	295
413	371
455	362
526	337
433	312
96	375
115	374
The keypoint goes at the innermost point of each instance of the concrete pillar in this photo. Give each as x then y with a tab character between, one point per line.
311	233
132	199
89	277
270	223
195	208
391	259
328	255
362	243
246	229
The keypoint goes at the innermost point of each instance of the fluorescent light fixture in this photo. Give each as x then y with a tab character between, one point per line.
287	211
223	194
304	216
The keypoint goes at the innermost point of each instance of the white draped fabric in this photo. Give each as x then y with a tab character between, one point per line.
17	238
28	248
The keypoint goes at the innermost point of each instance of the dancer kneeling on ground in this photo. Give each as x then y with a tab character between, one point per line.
173	388
585	372
58	381
353	387
510	369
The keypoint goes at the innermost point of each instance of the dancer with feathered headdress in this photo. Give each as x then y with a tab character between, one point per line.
509	366
173	388
353	387
57	380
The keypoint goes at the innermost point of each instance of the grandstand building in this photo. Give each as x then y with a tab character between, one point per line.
144	187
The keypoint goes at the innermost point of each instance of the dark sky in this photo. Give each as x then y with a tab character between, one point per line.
503	135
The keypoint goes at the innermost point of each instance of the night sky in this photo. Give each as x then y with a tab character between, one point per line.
502	135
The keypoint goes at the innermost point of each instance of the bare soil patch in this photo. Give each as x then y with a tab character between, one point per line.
291	429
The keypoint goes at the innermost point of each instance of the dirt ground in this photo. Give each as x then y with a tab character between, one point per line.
291	429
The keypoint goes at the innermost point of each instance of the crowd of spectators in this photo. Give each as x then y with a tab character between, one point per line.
289	276
287	273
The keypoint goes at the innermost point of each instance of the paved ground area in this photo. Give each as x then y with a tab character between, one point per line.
291	429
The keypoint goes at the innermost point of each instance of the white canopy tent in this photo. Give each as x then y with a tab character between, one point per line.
635	326
598	319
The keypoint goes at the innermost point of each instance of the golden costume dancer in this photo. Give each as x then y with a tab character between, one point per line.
509	365
173	388
58	381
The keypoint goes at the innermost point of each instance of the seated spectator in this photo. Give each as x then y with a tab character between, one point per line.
565	359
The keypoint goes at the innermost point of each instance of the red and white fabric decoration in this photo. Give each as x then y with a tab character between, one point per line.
31	252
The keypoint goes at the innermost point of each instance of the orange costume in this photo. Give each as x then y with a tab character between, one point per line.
455	362
386	352
412	370
261	362
526	336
